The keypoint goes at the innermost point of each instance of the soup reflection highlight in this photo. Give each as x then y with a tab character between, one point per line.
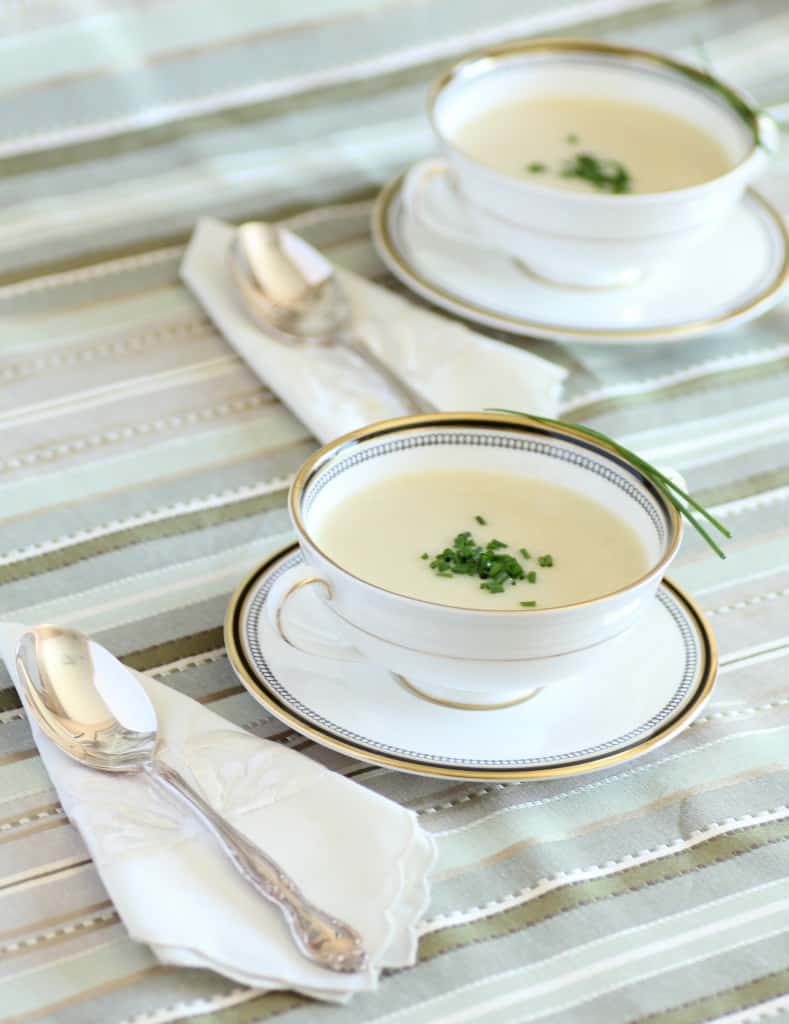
476	539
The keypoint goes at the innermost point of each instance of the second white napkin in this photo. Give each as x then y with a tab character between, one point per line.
332	390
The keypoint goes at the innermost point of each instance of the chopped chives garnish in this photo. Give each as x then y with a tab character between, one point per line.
607	175
573	139
536	167
545	561
481	521
489	563
528	604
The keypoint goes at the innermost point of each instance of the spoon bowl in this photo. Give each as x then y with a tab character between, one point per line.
53	665
288	285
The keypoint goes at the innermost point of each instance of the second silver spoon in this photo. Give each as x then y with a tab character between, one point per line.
291	292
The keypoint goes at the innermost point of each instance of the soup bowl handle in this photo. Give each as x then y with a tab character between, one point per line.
291	583
413	194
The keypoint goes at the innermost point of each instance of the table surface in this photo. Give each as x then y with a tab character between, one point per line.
143	471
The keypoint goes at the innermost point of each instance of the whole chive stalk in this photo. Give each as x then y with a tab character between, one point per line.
671	491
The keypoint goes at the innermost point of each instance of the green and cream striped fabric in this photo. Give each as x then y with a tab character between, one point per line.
143	471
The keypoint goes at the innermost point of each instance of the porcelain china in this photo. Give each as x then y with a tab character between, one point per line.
491	442
586	239
737	273
617	712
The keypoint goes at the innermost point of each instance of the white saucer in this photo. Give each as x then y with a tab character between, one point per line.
736	274
623	709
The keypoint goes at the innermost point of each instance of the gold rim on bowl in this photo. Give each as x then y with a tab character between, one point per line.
406	425
481	62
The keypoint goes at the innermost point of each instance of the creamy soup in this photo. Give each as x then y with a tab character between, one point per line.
576	548
595	145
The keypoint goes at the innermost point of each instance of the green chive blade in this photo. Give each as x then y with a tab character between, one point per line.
670	490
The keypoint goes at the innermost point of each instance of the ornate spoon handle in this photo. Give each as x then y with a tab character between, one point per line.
319	936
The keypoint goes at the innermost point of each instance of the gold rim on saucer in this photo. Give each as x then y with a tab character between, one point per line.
264	693
392	257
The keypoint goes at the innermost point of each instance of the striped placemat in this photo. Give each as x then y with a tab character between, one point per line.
143	472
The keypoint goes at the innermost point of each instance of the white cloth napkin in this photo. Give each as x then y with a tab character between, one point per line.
354	853
332	390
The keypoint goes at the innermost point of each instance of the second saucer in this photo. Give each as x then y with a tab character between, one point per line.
737	273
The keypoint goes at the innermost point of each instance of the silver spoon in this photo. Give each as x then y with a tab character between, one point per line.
291	292
98	714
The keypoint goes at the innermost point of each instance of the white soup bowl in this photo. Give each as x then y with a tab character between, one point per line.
481	656
582	239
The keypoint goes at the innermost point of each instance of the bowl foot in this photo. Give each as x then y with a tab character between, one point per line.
462	705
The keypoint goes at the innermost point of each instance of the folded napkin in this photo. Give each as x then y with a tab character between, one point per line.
332	390
355	854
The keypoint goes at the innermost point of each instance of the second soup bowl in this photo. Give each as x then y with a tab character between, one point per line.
582	238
